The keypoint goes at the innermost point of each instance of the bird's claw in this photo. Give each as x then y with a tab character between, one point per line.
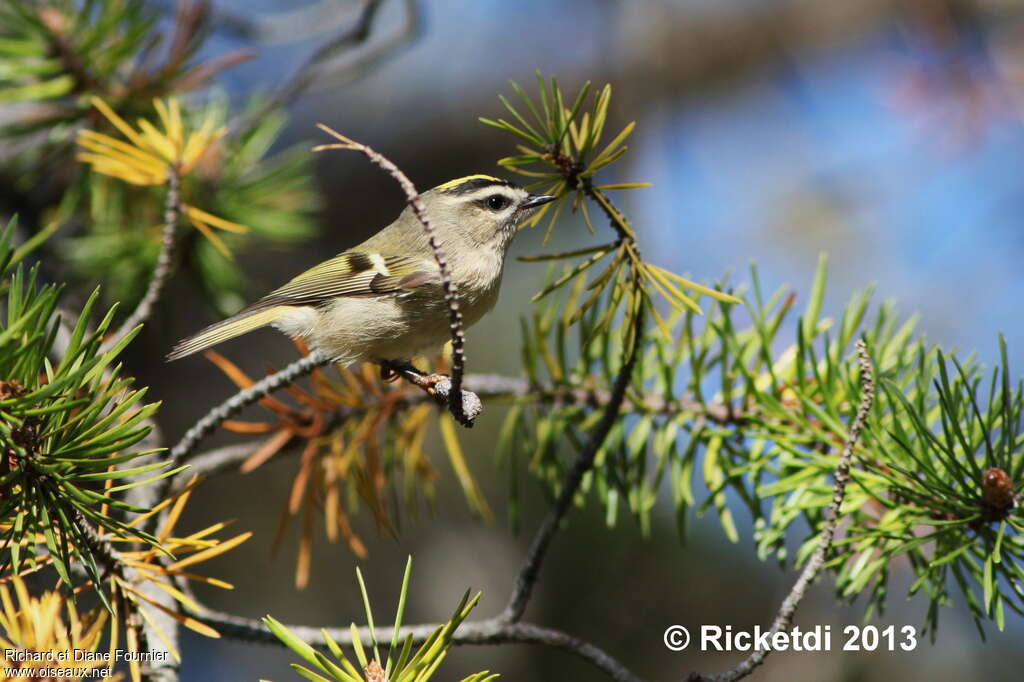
429	382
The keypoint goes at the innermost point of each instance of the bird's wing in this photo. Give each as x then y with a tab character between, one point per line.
355	273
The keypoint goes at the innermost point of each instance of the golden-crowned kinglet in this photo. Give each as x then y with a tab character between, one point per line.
383	301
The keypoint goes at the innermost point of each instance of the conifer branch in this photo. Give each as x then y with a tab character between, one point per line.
842	476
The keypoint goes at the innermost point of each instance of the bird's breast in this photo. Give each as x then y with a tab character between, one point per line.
477	280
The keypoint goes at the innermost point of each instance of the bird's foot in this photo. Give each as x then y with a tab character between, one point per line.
389	373
430	382
393	370
437	386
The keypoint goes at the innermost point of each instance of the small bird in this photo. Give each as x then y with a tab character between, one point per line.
382	301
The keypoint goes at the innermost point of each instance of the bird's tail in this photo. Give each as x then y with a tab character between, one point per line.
245	321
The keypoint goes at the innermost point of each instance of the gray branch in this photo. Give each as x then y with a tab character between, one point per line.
312	69
483	386
162	270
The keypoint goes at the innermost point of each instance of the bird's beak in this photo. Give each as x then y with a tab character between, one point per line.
535	200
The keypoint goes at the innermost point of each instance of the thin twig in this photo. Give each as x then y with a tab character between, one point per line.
419	209
789	605
355	34
530	568
181	452
162	270
491	631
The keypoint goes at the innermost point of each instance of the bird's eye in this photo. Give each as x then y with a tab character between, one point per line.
496	202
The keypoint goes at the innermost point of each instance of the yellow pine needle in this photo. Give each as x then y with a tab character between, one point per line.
163	504
216	582
152	153
619	139
161	634
214	221
216	241
104	144
173	515
210	553
9	618
699	288
132	640
667	289
530	174
305	553
466	480
112	640
177	128
623	185
115	168
199	535
662	325
198	144
178	595
187	621
118	122
185	545
157	141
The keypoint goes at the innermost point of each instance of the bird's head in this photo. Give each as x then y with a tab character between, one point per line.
481	209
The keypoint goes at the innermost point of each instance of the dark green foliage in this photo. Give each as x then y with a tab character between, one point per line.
66	427
54	53
55	56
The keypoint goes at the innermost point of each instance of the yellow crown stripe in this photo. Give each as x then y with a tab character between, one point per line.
452	184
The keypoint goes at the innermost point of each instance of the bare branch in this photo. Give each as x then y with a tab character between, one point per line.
314	69
455	403
789	605
162	270
366	60
491	631
488	387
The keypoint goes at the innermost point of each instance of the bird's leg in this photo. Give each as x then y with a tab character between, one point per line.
437	386
391	370
389	373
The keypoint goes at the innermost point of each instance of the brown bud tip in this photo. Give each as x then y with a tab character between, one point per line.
997	488
53	20
11	389
375	673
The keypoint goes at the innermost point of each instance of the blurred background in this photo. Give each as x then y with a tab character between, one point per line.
885	133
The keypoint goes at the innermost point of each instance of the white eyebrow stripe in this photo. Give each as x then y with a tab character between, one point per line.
379	264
